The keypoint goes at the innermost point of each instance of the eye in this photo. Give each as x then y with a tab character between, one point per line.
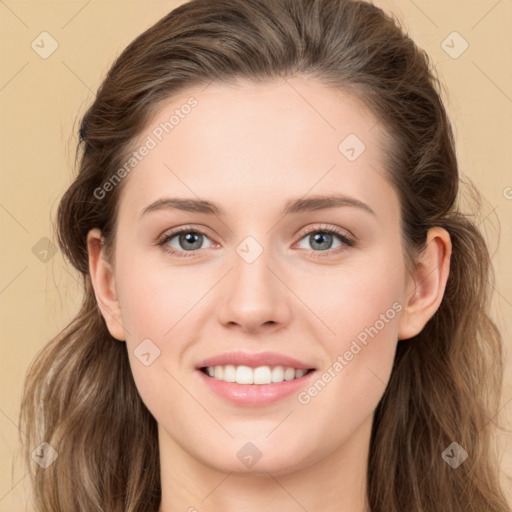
184	240
322	240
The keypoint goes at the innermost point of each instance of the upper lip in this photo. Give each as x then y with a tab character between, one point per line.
254	360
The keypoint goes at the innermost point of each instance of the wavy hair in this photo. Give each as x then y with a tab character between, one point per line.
79	394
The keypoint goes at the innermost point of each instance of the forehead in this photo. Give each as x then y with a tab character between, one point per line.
252	141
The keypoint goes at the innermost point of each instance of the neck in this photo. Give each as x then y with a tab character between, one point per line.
334	481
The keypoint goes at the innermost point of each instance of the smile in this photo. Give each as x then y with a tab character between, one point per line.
260	375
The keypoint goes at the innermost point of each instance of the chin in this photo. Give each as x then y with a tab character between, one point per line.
258	459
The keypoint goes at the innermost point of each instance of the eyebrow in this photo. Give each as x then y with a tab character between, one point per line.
299	205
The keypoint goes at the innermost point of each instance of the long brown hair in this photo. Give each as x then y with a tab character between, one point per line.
445	386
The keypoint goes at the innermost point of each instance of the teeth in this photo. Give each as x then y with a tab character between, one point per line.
248	375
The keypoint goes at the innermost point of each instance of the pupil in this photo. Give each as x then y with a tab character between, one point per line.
321	239
190	238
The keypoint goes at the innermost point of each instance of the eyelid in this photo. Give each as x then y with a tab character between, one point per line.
196	228
326	228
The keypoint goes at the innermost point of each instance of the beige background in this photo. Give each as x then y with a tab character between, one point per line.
41	100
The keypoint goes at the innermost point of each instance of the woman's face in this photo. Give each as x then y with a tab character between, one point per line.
280	165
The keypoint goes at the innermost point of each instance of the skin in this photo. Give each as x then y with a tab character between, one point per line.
250	148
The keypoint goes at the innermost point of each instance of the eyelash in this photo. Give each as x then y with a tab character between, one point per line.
348	242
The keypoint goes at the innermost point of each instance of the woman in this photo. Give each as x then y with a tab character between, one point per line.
283	307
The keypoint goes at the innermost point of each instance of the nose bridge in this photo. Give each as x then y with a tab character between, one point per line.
252	277
253	294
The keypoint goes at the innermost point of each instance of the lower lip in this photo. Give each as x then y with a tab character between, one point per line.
255	395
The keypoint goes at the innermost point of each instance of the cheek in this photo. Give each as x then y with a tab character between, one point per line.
158	304
364	294
361	308
154	299
154	307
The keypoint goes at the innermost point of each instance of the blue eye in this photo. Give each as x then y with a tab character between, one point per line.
186	241
321	240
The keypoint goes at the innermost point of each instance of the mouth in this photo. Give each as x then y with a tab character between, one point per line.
261	375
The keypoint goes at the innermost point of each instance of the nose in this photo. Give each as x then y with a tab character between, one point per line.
254	297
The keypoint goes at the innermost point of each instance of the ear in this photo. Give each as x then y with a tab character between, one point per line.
102	277
425	288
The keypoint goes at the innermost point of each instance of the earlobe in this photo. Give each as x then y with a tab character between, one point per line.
102	278
427	285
